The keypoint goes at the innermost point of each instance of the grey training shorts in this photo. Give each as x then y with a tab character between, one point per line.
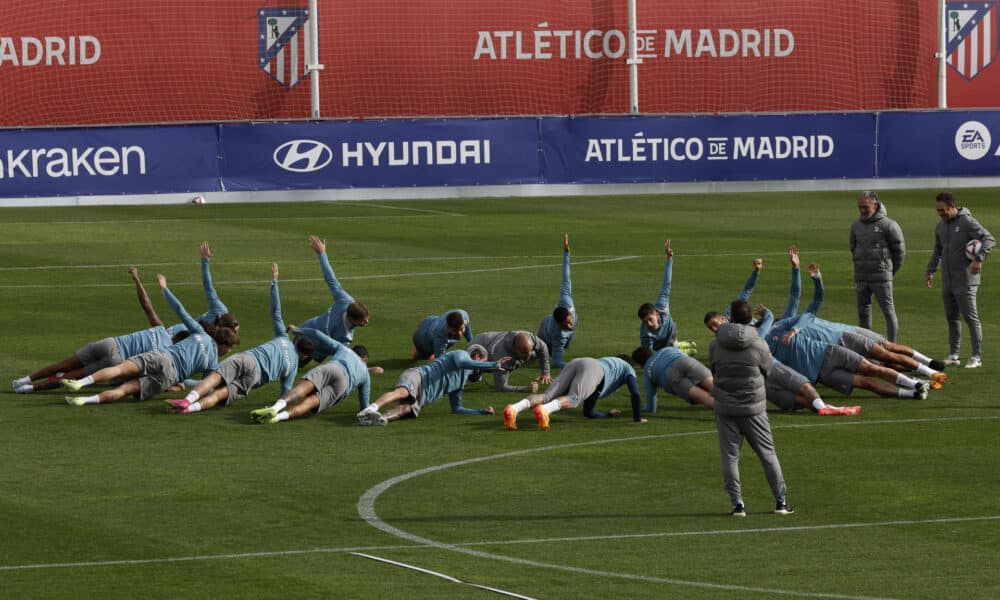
685	374
579	380
241	373
782	385
156	373
412	382
97	355
839	368
331	384
858	342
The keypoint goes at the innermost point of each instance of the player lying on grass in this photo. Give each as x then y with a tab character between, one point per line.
434	335
421	386
863	341
783	386
838	367
658	330
556	330
585	380
676	373
345	314
522	347
155	371
276	360
323	386
112	351
102	353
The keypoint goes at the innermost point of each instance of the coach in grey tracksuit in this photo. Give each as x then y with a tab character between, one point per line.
739	358
519	345
879	249
959	275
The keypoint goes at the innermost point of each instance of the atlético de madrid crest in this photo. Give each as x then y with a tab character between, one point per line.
973	35
283	43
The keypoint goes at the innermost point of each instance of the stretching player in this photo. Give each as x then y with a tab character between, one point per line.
102	353
434	335
421	386
585	380
556	330
657	330
155	371
677	374
863	341
323	386
345	314
522	347
783	386
276	360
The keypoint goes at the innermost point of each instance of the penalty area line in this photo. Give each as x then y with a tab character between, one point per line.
441	575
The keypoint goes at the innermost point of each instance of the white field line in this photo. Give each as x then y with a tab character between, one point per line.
441	575
367	503
396	260
366	509
219	284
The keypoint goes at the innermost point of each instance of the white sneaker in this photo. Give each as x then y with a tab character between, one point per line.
952	360
974	363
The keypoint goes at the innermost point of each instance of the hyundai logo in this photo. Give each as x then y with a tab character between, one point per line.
303	156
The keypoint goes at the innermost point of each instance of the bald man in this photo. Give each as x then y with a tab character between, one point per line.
522	347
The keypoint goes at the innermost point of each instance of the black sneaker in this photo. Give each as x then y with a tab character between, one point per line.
920	390
739	511
937	365
782	508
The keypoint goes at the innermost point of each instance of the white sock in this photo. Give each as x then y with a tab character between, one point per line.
88	380
907	381
95	399
920	358
25	389
192	396
925	370
818	403
283	416
194	407
22	381
907	393
522	404
551	407
279	405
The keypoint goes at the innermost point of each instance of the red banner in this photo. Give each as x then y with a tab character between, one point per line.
101	62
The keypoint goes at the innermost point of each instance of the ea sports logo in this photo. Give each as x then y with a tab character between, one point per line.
972	140
303	156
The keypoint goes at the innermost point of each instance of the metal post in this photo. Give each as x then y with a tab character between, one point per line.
942	55
314	66
633	59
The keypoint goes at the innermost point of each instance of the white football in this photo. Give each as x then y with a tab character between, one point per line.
972	249
199	199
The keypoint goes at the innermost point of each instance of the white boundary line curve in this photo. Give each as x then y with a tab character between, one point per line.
366	509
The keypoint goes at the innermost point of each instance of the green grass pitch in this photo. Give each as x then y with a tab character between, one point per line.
129	501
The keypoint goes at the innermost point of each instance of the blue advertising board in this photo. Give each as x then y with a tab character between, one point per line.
939	144
374	154
110	160
709	148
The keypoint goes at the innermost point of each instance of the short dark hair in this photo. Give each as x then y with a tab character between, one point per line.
454	319
645	310
946	197
710	315
640	355
560	314
304	345
225	336
357	311
740	312
361	351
